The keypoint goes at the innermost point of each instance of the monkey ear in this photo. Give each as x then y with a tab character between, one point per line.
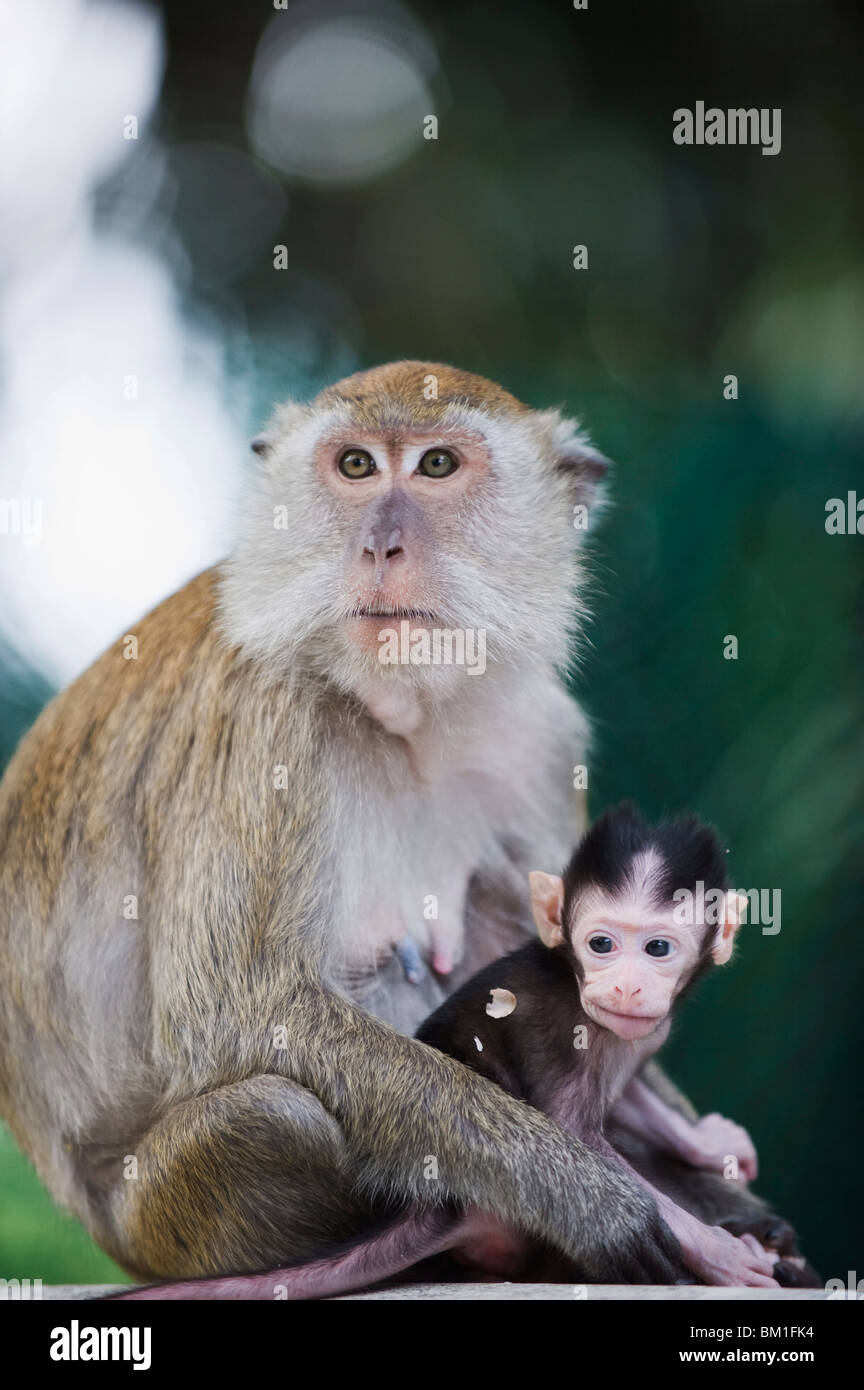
285	420
262	444
547	905
736	906
583	466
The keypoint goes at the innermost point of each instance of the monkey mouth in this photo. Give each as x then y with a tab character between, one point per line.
391	614
628	1025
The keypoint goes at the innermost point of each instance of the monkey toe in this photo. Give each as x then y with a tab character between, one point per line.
770	1230
797	1274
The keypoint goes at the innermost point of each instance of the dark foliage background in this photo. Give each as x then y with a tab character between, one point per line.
555	129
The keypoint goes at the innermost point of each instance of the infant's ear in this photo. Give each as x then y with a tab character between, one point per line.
547	905
736	906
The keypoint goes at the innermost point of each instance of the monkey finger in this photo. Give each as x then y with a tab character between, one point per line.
714	1161
772	1232
747	1156
764	1265
769	1256
766	1257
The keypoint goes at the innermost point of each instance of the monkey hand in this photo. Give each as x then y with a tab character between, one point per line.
731	1261
646	1250
713	1140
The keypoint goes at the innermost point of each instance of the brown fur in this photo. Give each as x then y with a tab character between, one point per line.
395	392
181	744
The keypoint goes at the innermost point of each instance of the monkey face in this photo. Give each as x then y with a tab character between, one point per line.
632	961
400	500
631	957
410	494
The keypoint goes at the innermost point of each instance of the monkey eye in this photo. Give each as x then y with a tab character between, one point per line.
356	463
658	947
601	945
437	463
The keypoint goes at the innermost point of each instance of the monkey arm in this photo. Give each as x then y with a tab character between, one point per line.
406	1111
714	1254
705	1143
641	1111
283	1166
710	1252
716	1200
655	1079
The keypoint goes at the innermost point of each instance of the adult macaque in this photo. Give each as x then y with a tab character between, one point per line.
585	1006
212	853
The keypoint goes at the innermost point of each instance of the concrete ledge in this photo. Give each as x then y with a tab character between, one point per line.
676	1293
520	1293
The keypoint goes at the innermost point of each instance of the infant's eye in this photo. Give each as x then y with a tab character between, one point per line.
601	945
356	463
658	947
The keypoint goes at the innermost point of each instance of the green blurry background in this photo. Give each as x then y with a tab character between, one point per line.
555	130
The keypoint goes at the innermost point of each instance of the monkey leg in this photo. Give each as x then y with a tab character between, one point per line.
251	1175
255	1176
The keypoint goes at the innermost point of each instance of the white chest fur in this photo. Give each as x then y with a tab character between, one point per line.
434	836
427	809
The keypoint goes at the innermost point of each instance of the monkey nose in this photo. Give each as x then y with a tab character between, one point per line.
626	991
380	549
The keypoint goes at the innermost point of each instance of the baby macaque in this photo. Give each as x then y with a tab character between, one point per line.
566	1022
